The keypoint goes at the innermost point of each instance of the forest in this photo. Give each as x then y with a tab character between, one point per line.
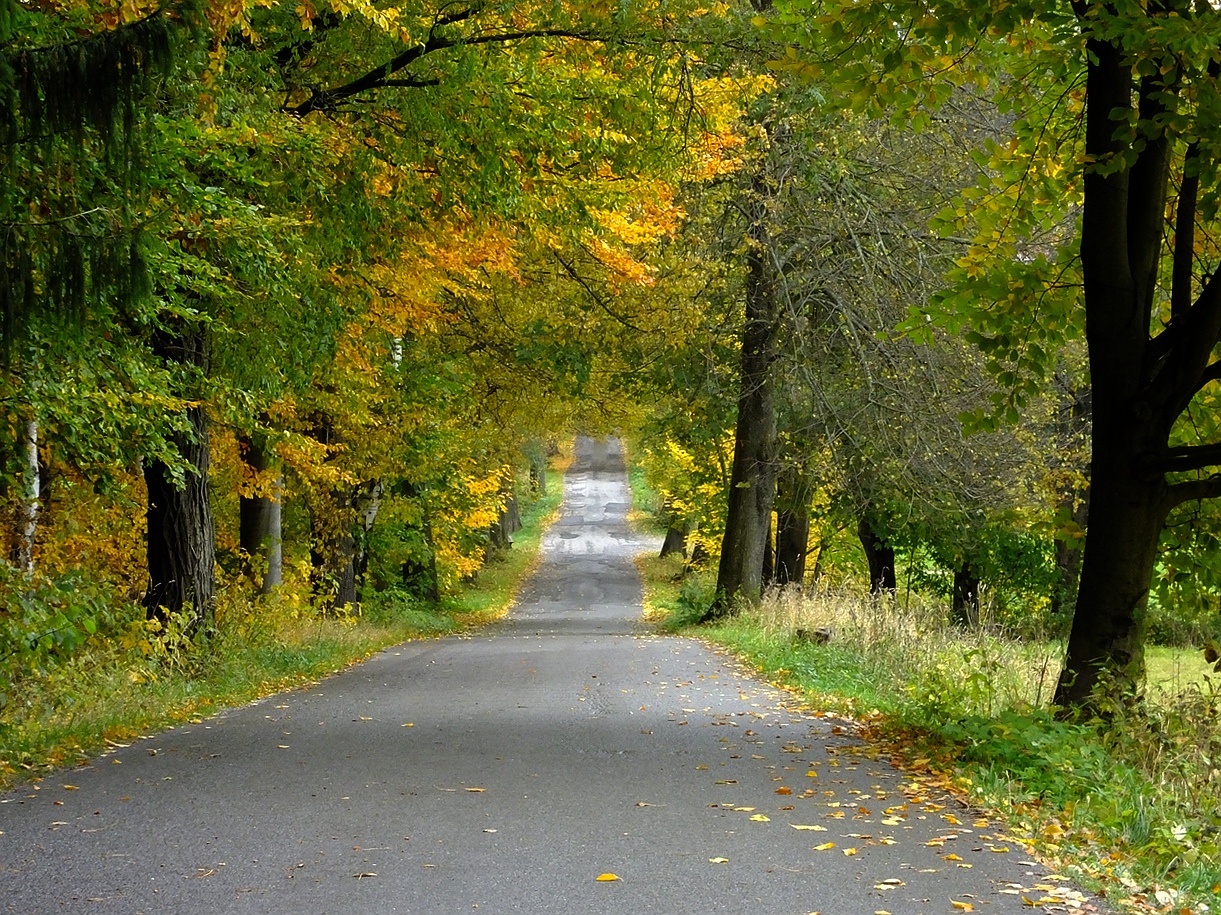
912	298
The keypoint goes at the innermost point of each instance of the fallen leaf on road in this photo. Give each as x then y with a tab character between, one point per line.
364	874
760	818
951	857
409	724
825	846
281	746
811	828
963	906
783	790
718	860
850	852
476	790
607	878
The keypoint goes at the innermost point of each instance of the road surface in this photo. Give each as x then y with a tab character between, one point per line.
506	772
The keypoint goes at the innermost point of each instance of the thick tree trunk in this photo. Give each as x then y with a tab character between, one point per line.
181	533
752	485
1127	513
965	606
500	535
259	520
881	558
1135	403
674	542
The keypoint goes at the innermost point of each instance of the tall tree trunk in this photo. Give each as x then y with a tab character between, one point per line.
259	518
752	484
181	533
881	558
1121	242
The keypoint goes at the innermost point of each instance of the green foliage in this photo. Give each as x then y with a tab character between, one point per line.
45	622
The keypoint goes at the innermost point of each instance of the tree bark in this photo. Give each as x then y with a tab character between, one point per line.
752	484
181	532
881	558
674	542
259	520
1120	245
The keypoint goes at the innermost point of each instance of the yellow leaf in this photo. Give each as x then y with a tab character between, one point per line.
811	828
811	774
476	790
951	857
607	878
760	818
718	860
824	846
963	906
951	819
783	790
849	852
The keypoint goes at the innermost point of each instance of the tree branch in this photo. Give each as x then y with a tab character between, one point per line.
380	78
1187	458
1195	491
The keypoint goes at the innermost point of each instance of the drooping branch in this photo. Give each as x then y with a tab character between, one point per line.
91	82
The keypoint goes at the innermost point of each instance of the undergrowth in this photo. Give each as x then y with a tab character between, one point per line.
104	674
1132	805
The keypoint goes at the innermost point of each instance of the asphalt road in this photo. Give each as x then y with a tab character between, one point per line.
507	771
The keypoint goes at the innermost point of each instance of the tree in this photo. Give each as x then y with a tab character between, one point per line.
1145	79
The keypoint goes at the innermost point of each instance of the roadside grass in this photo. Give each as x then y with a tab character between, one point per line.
1131	807
136	680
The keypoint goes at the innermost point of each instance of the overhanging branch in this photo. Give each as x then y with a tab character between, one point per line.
1195	490
382	77
1187	458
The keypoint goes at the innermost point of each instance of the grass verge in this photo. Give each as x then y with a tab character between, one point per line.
1131	808
135	682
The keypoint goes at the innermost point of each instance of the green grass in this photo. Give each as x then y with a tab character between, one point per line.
132	682
1130	809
